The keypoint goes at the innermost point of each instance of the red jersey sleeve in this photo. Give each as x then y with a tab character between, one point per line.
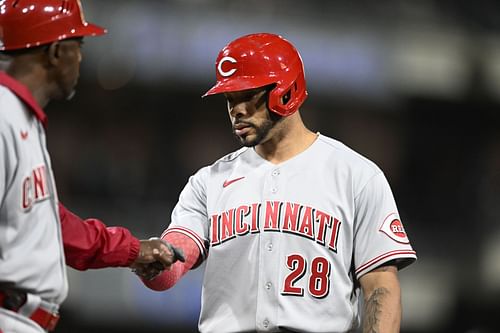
90	244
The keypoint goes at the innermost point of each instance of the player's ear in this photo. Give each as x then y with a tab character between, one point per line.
53	53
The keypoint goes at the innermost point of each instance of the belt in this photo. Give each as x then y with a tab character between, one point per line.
14	300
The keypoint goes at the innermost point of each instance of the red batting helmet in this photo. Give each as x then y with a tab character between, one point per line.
258	60
30	23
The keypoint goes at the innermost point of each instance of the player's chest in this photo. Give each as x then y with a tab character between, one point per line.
309	203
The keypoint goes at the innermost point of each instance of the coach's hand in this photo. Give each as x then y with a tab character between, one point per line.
155	255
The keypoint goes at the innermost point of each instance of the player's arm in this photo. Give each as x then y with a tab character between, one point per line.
91	244
382	300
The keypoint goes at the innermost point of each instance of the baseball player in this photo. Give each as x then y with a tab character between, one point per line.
38	235
294	225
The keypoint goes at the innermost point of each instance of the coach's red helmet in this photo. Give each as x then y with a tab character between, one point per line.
258	60
29	23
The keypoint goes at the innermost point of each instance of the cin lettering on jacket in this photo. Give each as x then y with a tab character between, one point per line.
34	187
276	216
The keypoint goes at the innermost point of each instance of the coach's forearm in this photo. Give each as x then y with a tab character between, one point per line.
382	308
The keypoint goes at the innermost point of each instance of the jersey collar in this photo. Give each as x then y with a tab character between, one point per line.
23	93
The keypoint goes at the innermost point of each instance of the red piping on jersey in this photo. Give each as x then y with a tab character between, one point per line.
383	256
24	94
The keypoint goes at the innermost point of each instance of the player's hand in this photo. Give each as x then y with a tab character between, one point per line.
148	271
155	255
158	250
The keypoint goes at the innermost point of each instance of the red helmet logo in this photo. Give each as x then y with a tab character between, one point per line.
221	64
259	60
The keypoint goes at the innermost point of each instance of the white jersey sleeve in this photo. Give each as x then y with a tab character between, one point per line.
189	216
379	235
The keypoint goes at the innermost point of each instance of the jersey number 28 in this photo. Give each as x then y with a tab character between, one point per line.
319	276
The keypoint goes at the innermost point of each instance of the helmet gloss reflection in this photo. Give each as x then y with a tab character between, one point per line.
43	22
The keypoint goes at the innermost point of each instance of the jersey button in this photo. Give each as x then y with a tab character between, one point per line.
269	285
265	323
270	246
274	190
276	172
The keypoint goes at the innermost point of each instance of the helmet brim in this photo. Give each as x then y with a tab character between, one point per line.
237	85
90	30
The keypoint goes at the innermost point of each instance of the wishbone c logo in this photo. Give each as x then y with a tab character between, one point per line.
229	72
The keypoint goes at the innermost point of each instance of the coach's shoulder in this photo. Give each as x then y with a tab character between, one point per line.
13	109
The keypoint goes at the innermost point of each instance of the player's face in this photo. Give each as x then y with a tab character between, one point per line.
70	57
250	117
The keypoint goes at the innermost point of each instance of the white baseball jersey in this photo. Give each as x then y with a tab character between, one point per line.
31	250
289	241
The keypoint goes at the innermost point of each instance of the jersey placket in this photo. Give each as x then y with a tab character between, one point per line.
269	258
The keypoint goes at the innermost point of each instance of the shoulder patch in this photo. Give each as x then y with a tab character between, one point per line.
393	228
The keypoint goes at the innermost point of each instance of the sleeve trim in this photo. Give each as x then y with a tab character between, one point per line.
135	246
197	239
385	257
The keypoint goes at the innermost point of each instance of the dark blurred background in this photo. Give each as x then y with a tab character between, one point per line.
412	85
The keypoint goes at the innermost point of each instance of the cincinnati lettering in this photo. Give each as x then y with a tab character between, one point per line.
34	188
276	216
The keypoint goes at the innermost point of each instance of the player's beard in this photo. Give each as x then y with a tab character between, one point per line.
261	132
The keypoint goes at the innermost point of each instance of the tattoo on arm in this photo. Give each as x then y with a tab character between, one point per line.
373	310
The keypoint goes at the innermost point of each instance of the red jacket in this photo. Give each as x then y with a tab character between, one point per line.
90	244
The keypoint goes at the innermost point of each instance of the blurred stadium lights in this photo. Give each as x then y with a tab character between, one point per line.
490	263
170	40
431	64
428	295
491	68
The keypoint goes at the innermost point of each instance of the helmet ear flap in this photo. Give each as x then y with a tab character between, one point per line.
285	99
